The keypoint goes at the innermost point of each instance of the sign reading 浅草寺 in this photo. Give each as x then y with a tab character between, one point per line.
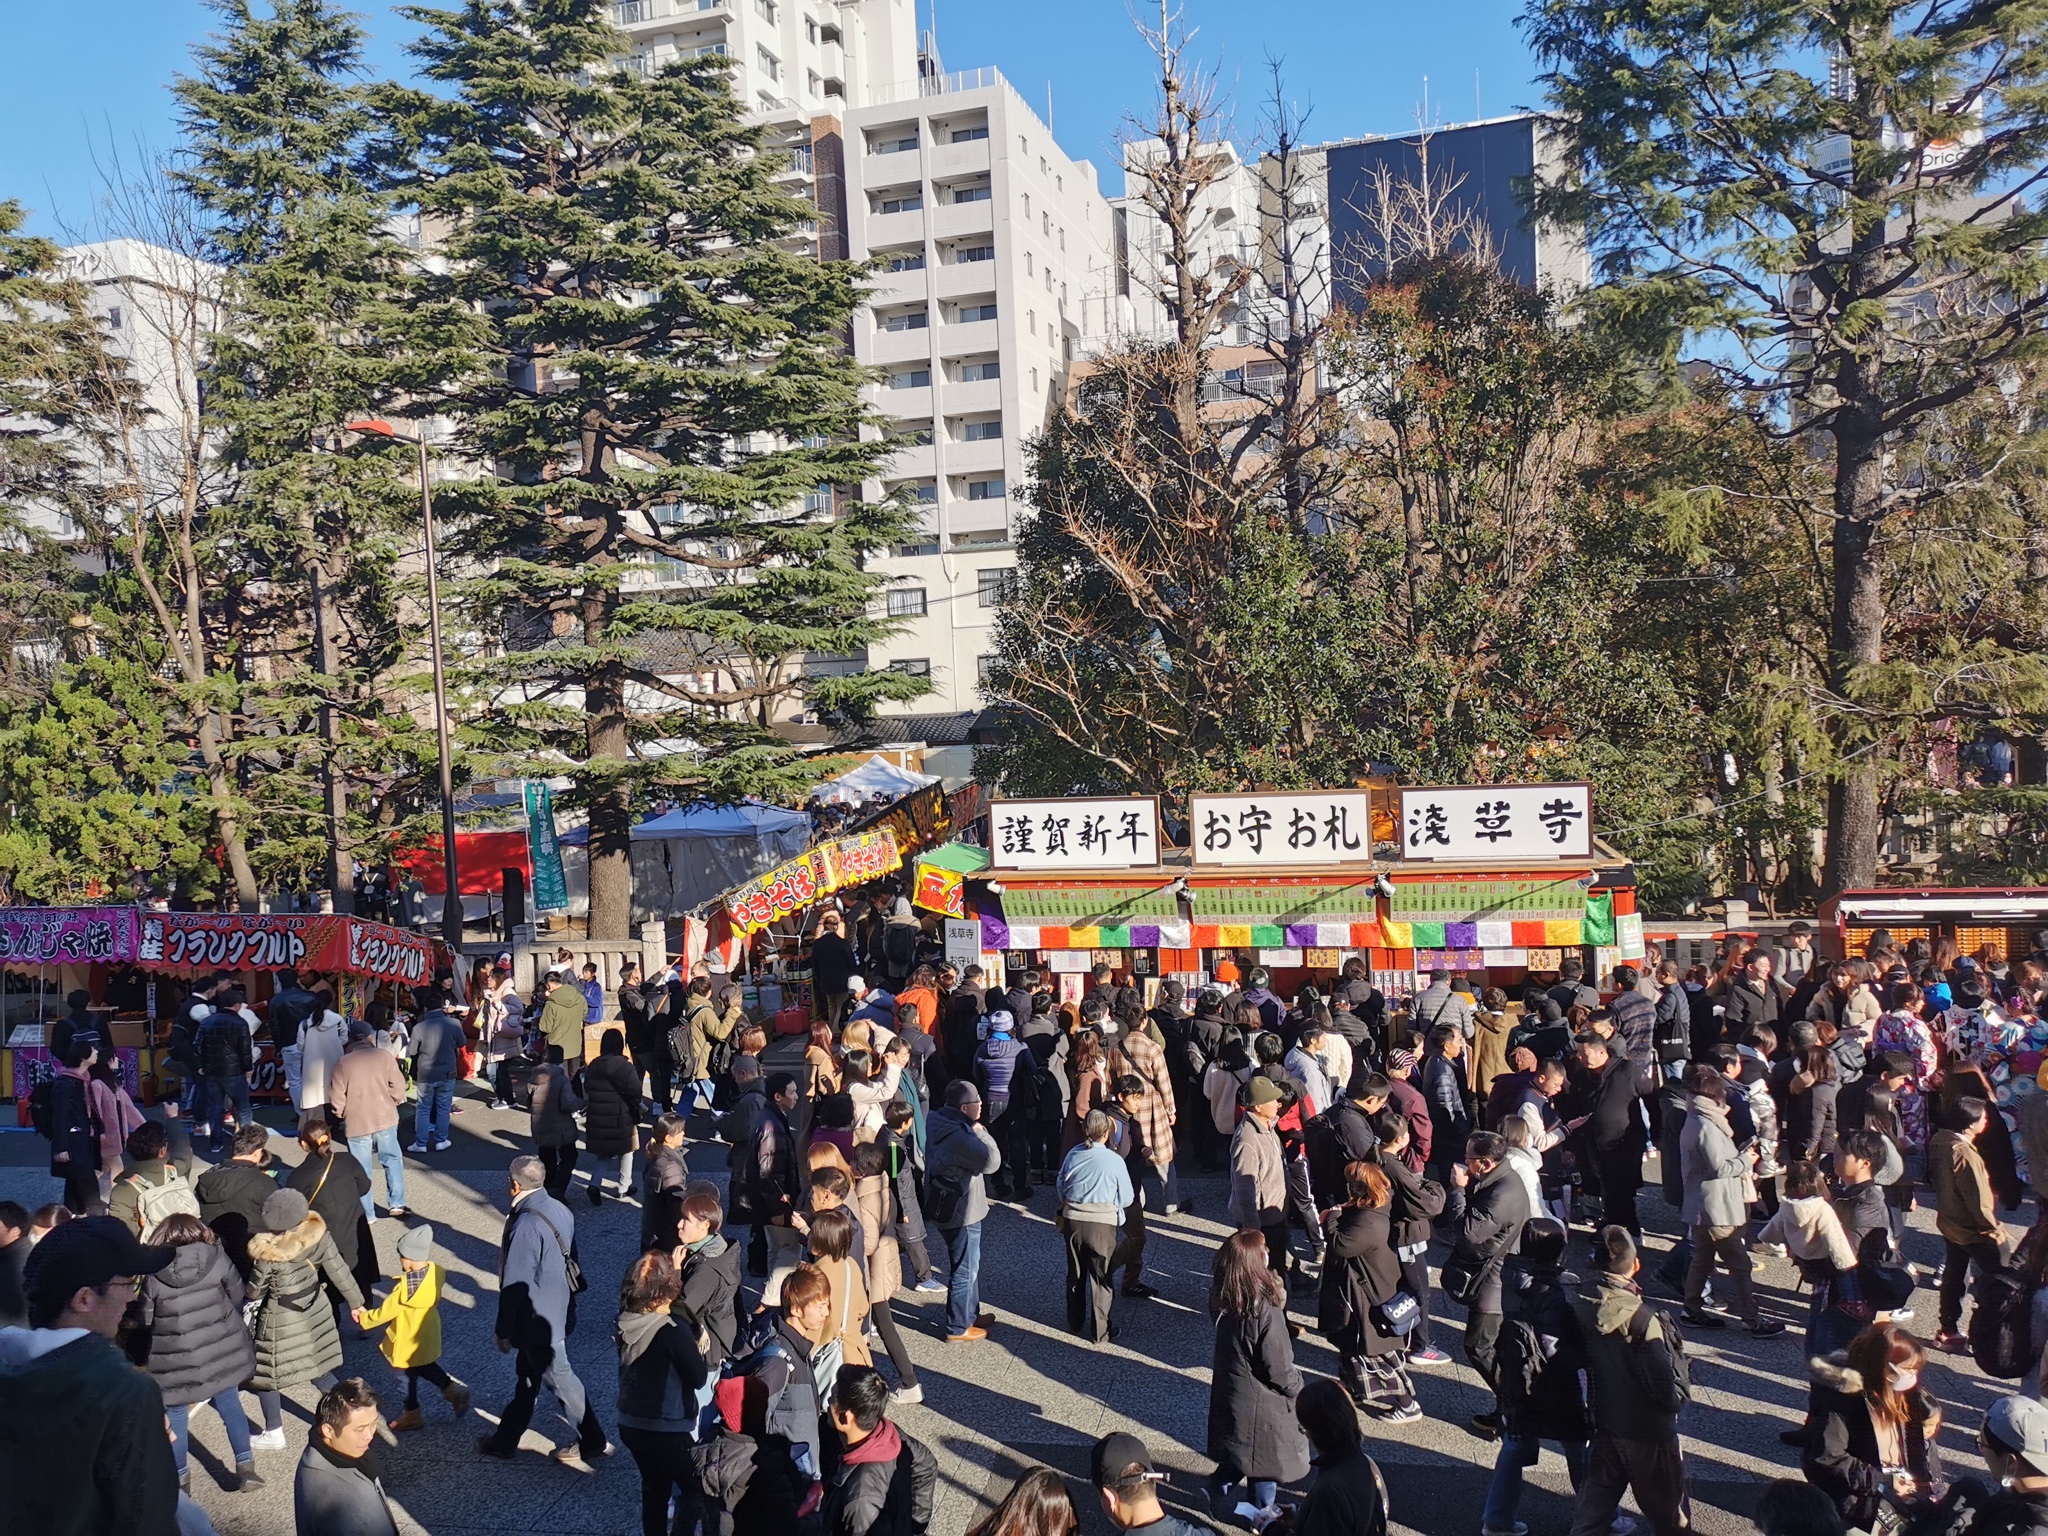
1074	834
1316	826
1497	822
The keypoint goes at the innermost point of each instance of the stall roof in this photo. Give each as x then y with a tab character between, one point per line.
961	858
751	818
875	776
1988	902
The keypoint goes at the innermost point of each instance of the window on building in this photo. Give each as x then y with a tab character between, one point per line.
818	498
989	368
1059	183
984	669
114	318
926	544
810	30
906	603
968	135
925	493
1063	239
1045	223
812	83
985	490
982	431
1028	267
971	194
992	585
911	378
969	313
912	320
896	144
967	253
1043	168
768	63
914	666
1023	145
1031	321
916	434
1034	381
907	202
765	9
627	12
904	261
1027	205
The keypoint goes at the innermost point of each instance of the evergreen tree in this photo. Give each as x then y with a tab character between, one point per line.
665	386
275	124
1844	194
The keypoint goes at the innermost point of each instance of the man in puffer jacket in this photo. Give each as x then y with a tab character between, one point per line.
1635	1367
226	1058
883	1483
83	1451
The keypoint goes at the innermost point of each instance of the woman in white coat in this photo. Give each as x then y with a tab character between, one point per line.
320	1044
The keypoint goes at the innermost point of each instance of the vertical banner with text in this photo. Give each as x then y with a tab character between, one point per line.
550	884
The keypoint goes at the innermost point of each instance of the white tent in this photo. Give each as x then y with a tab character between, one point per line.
875	776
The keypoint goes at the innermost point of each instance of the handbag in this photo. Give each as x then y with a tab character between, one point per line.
1398	1314
1460	1278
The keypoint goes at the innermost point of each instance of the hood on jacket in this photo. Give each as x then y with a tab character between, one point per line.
51	1378
24	1346
637	1331
1615	1302
884	1446
286	1247
194	1262
1835	1373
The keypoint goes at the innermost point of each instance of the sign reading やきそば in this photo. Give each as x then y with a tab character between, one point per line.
1498	822
1317	826
1121	833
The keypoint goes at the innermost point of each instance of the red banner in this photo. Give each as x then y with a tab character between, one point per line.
276	941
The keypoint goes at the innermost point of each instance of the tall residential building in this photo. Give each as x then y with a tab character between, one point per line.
993	243
793	60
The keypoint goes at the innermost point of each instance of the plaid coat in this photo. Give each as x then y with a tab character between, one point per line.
1142	1056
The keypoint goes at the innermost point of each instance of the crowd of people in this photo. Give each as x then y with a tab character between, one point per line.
1381	1165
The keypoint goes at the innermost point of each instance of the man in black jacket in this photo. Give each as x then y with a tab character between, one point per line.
771	1179
290	1006
1859	1201
1496	1207
643	1011
1356	995
231	1195
884	1481
226	1058
1614	1131
1753	998
1542	1354
1636	1366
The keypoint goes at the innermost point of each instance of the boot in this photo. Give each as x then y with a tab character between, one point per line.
245	1476
410	1419
458	1398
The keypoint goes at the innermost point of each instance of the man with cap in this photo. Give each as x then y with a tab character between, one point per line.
364	1090
1258	1171
83	1446
2014	1441
959	1155
1406	1100
535	1303
1122	1471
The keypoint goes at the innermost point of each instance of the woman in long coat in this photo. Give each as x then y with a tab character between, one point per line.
611	1113
297	1341
199	1347
1253	1380
1361	1275
334	1184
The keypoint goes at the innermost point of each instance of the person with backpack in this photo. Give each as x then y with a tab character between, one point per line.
1636	1380
748	1478
538	1280
1538	1372
153	1188
1365	1309
959	1155
711	1020
787	1363
1006	1074
884	1481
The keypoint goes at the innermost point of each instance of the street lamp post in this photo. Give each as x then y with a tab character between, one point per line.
451	900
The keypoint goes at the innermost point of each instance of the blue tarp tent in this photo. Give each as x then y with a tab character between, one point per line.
686	857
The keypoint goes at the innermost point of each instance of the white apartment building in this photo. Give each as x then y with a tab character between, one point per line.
792	59
993	243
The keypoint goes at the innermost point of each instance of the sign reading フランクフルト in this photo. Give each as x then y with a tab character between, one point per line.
1317	826
1074	834
1499	823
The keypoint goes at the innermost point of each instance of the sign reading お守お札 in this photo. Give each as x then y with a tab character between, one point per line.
1316	826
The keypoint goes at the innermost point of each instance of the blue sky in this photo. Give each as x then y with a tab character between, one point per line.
78	78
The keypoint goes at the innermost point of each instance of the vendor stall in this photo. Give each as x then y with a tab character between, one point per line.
1996	922
131	960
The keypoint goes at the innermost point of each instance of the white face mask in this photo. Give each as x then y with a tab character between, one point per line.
1902	1380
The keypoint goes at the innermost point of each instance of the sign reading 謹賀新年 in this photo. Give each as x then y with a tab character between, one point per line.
1074	834
1497	822
1316	826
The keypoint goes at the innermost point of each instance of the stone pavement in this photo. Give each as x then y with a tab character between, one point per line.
1030	1395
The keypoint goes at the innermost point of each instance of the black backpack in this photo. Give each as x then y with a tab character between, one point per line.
1324	1145
2002	1328
680	1052
42	1111
1518	1365
899	947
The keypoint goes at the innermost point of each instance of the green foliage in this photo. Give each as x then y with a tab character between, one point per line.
663	378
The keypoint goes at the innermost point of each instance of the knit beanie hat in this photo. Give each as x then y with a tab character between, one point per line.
284	1211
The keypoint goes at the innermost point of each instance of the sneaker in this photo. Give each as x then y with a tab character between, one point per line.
1951	1343
1430	1358
1621	1525
417	1147
1407	1413
903	1396
1486	1425
269	1440
412	1418
488	1446
569	1456
1519	1528
1702	1319
443	1146
1765	1250
1766	1328
1139	1291
931	1285
398	1212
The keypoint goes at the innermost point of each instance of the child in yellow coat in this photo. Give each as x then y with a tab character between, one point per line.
413	1342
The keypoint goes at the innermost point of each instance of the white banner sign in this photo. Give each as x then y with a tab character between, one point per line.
1074	834
1318	826
1498	822
963	941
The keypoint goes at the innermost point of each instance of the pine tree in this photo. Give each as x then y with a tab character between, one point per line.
1843	194
275	122
666	380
